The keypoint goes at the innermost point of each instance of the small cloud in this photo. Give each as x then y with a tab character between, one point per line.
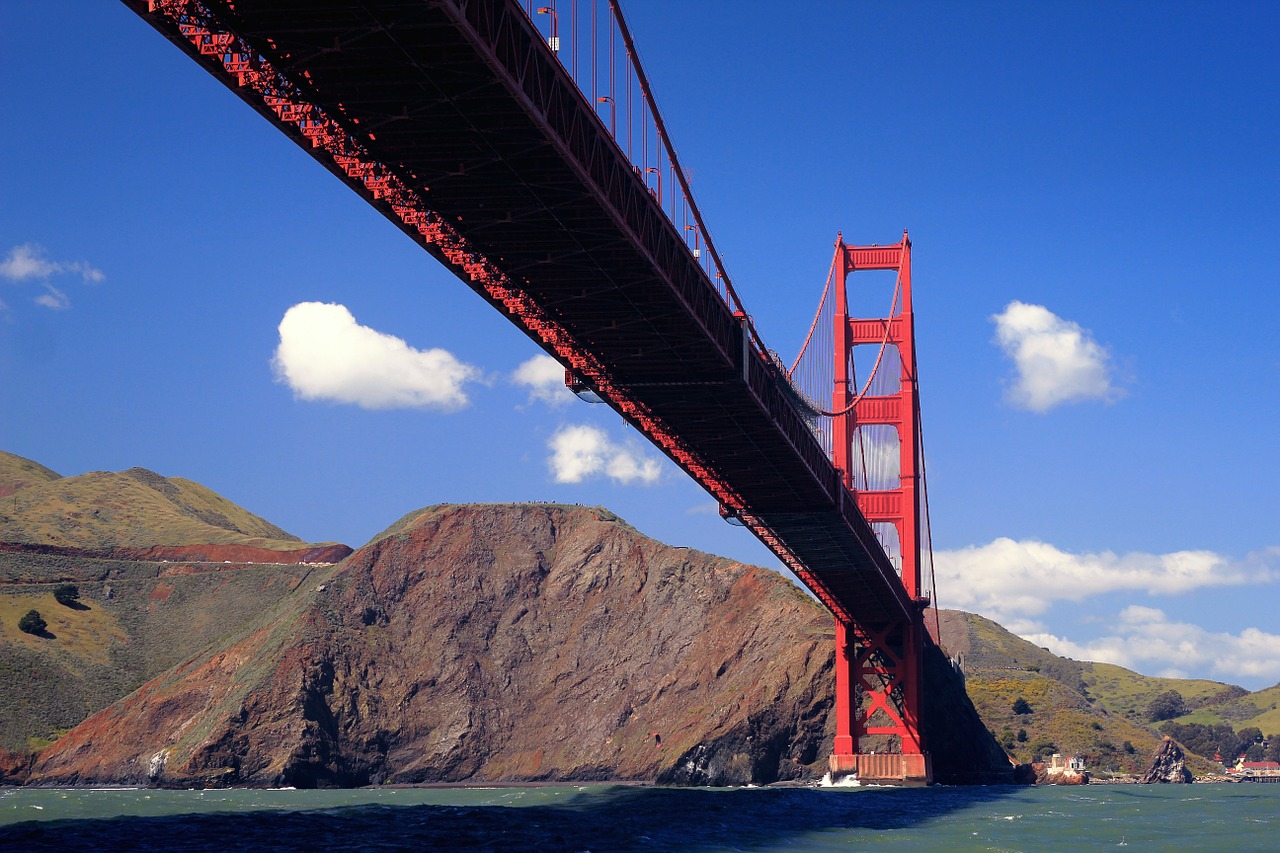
582	452
53	298
27	262
1057	360
1013	582
544	377
1145	639
324	354
709	508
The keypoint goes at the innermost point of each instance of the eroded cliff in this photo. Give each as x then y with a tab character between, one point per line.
477	643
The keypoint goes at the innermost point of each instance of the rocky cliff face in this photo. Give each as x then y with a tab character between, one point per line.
1169	764
484	643
480	643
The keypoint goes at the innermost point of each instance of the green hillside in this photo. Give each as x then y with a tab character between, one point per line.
1129	693
1065	715
135	508
135	620
1260	710
17	473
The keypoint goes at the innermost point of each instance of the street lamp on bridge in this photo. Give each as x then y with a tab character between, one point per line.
656	171
554	41
613	114
697	249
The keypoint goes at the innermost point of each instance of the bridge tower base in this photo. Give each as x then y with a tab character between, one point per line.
883	768
880	669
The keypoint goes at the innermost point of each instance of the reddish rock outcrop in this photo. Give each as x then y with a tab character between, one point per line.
242	554
484	643
15	767
487	643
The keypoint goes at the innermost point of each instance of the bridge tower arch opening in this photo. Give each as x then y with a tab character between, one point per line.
879	667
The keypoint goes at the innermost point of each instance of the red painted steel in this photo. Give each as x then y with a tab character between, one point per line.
883	663
458	120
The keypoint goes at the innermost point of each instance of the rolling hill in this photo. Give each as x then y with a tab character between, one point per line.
1072	709
293	667
164	566
136	508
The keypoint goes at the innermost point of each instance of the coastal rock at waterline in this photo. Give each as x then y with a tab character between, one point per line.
485	643
1167	765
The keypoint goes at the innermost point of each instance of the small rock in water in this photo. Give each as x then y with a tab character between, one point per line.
1167	765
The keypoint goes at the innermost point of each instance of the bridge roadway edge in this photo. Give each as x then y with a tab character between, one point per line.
655	290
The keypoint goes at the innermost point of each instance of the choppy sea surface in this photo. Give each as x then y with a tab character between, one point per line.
606	818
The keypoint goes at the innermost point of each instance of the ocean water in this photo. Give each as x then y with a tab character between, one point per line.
606	818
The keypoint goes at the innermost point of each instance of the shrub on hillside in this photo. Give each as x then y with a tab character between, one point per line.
32	623
1207	740
1021	706
1166	706
68	595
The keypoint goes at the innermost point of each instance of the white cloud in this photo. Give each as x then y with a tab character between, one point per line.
1019	584
27	262
1144	639
1057	360
544	377
324	354
53	298
580	452
1013	582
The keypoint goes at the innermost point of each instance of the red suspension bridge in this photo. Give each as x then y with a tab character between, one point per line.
522	147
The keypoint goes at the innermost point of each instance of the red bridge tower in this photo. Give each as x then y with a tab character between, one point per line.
881	662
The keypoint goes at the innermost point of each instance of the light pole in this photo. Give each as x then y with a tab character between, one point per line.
697	249
554	41
656	171
613	114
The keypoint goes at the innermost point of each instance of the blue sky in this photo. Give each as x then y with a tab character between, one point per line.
1112	168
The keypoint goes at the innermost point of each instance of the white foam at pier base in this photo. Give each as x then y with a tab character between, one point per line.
850	781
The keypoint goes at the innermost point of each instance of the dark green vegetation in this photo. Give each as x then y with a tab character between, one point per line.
1166	706
67	594
32	623
1225	741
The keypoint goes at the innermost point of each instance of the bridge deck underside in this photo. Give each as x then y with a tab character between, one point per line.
466	104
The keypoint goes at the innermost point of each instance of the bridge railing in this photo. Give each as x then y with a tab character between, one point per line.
593	43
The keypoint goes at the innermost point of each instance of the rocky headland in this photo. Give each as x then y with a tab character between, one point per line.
501	643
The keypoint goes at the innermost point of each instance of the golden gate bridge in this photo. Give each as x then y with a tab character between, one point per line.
521	145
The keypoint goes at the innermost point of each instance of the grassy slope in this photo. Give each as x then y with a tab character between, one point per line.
1260	709
1129	693
1001	668
17	473
138	620
134	508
